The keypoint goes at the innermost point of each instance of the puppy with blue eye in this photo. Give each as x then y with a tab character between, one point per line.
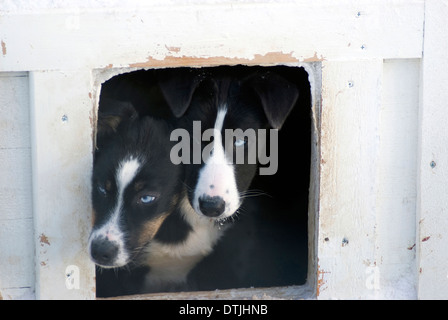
135	197
251	101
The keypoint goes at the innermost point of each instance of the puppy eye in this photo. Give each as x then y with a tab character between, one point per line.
146	199
240	142
102	191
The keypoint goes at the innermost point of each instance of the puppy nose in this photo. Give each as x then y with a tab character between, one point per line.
211	206
103	251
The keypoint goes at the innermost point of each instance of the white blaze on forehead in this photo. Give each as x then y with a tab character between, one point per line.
111	230
219	122
218	155
127	170
217	176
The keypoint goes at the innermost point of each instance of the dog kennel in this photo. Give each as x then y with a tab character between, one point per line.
377	194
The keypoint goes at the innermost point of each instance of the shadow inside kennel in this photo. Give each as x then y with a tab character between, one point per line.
267	244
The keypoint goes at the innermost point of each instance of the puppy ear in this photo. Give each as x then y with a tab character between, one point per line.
277	96
111	114
178	86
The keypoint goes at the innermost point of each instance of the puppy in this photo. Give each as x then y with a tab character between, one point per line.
216	100
135	195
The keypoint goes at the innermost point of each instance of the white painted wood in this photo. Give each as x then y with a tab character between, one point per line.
62	114
314	71
351	100
432	222
16	259
374	202
82	35
396	179
16	216
15	146
368	180
272	293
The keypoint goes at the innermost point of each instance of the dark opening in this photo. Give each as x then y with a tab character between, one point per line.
267	245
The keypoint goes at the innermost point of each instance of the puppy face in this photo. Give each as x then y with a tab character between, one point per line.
221	100
134	187
217	184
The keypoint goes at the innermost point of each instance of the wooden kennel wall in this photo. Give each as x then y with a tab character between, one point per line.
378	73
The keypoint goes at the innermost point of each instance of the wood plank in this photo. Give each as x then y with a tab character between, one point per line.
272	293
368	180
432	205
62	126
15	184
15	150
315	78
351	100
16	216
192	33
396	195
16	259
14	110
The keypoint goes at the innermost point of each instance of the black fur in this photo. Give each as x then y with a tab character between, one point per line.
123	133
254	99
174	229
147	139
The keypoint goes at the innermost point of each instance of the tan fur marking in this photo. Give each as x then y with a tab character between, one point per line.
150	229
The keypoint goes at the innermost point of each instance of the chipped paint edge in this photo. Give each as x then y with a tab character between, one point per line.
267	59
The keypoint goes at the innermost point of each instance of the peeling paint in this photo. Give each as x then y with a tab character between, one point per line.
314	58
43	239
3	47
320	279
185	61
173	49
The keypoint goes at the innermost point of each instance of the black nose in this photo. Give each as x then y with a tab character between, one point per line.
211	206
103	252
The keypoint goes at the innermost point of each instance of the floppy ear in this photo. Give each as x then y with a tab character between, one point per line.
277	96
178	86
111	113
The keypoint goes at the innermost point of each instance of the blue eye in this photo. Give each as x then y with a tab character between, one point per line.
240	142
102	191
146	199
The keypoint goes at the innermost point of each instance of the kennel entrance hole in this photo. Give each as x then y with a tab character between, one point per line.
268	244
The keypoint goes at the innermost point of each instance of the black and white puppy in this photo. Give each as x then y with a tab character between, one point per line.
136	192
215	101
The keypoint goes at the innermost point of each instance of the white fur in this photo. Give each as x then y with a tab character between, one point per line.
172	263
217	176
111	230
